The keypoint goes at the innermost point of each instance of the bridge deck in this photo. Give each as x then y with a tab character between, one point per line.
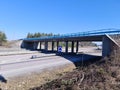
82	36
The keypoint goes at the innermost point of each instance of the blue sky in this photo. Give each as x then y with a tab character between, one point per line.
18	17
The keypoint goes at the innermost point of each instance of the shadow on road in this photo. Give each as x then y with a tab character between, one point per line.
81	59
77	59
2	79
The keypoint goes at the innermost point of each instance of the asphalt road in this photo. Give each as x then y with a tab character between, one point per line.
15	65
35	65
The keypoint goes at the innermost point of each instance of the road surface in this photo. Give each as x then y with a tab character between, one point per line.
15	65
35	65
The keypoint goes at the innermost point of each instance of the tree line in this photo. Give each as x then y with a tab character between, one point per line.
2	38
36	35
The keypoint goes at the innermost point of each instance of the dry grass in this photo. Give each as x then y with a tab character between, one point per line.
35	79
102	75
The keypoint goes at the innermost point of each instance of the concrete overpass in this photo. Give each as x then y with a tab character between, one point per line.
103	35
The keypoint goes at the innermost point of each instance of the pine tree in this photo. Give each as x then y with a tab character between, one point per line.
2	37
29	35
38	34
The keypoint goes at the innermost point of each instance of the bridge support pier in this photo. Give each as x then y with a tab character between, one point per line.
77	46
35	46
66	47
53	45
40	45
72	47
46	46
57	45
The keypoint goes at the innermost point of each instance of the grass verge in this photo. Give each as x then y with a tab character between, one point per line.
100	75
36	79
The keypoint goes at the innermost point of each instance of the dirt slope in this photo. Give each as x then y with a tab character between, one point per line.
100	75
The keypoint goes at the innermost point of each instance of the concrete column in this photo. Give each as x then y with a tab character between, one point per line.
72	47
57	45
35	45
46	46
40	45
77	47
53	45
66	47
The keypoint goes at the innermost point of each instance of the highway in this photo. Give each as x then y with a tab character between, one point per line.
35	65
20	64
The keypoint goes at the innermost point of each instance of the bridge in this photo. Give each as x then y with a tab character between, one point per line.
103	35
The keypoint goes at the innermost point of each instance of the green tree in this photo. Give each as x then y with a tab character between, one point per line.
29	35
2	37
35	35
38	34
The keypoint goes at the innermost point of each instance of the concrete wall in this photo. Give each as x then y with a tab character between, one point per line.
109	45
30	45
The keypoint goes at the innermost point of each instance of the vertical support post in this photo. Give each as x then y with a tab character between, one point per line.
72	47
52	45
46	46
35	45
66	47
40	45
57	45
77	47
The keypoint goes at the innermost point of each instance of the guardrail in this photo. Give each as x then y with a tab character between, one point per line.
110	31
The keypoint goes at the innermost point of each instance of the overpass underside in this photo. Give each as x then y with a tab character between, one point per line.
36	44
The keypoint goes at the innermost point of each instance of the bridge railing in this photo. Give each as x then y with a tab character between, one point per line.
80	34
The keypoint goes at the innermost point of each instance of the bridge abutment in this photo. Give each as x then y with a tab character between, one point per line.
107	46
